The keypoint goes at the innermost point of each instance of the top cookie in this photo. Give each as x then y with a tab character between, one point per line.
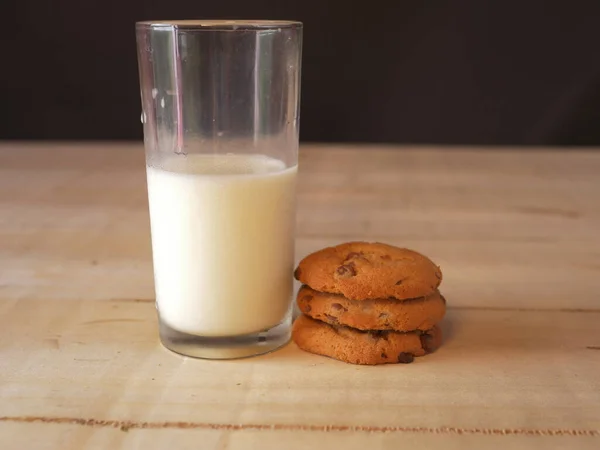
362	270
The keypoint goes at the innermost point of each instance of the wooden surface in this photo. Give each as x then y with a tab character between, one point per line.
517	234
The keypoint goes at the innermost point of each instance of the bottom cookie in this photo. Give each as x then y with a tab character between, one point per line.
363	347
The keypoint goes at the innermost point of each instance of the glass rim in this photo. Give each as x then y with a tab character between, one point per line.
219	24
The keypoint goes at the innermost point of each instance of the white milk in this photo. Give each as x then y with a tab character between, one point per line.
222	242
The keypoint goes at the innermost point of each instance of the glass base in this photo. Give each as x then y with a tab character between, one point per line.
226	347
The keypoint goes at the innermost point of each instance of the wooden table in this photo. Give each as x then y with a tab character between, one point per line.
517	233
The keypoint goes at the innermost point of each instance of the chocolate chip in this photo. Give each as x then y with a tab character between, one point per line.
383	355
338	307
297	273
405	358
379	334
346	271
331	318
352	255
427	342
399	282
303	303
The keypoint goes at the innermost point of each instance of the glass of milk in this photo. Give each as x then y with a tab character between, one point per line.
220	110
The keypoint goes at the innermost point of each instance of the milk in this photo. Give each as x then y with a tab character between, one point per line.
222	241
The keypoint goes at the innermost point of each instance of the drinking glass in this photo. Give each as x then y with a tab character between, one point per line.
220	111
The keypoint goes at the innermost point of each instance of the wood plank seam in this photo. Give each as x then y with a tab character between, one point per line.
453	307
126	425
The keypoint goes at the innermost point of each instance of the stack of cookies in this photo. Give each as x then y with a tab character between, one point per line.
369	303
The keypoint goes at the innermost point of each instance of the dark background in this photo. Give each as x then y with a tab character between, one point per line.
453	72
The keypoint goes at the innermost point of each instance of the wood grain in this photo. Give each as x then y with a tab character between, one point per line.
517	236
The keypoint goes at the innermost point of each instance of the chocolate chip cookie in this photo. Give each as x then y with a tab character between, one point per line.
362	270
380	314
363	347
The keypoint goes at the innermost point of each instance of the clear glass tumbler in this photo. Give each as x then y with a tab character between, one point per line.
220	108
